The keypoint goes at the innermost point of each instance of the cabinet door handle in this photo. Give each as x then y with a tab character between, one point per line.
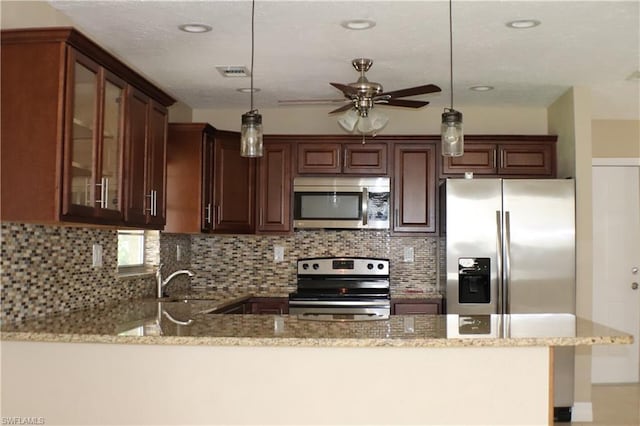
207	210
104	190
397	218
151	198
155	203
260	217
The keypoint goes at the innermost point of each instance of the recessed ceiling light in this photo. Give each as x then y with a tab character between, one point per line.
247	90
521	24
634	76
358	24
195	28
481	88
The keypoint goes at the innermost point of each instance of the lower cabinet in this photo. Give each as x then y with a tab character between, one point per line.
417	306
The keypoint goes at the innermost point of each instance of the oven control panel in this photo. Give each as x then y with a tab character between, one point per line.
343	266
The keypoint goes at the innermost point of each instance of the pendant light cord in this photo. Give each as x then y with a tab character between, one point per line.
451	51
253	6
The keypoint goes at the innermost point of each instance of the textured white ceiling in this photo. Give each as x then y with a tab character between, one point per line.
300	47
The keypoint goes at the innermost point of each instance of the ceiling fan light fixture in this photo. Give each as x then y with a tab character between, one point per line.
372	123
358	24
348	120
251	127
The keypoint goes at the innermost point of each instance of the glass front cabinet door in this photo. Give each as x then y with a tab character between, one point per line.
94	123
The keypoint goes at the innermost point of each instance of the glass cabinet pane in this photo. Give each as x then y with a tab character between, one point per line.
113	101
82	137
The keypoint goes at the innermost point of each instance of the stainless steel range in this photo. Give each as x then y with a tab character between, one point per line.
341	289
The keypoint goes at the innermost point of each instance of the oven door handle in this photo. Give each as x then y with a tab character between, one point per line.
338	303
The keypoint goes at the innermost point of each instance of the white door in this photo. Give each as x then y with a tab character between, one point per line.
616	259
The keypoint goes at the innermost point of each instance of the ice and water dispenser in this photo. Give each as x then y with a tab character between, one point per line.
474	280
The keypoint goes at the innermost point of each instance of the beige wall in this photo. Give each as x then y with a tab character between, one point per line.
616	138
180	113
316	120
25	13
570	118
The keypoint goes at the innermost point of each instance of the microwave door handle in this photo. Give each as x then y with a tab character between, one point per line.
365	200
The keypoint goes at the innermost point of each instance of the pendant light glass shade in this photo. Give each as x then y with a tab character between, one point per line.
452	133
251	129
251	135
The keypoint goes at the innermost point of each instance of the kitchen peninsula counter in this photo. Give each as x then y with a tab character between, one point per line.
152	322
278	369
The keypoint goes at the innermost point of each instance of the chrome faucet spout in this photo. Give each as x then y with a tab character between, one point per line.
161	283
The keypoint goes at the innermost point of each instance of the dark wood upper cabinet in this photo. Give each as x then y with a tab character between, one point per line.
234	186
342	156
414	187
273	197
527	159
365	159
146	162
211	188
66	124
319	158
507	156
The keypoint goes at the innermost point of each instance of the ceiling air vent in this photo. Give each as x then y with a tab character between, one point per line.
233	71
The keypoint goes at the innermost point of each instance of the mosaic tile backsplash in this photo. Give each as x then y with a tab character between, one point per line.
229	262
48	269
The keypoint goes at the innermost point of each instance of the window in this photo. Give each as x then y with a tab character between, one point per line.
138	251
130	248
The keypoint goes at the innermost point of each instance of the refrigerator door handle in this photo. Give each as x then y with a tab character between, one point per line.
507	262
500	306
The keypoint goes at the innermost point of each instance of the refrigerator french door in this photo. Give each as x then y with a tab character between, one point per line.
511	250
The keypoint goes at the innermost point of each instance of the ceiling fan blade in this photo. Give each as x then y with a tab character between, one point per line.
342	108
347	90
310	101
412	91
404	103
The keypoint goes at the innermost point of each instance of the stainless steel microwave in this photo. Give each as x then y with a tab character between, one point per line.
341	202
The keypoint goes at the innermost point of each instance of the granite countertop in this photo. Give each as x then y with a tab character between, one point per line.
144	321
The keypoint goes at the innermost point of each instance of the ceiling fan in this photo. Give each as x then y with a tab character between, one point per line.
363	94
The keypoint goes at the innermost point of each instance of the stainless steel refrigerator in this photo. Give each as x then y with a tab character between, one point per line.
511	250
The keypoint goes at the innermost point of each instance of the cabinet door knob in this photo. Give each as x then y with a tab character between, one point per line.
634	286
634	270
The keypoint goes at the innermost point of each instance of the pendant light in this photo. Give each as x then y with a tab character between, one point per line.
451	130
251	130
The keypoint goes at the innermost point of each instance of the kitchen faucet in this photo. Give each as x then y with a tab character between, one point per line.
161	283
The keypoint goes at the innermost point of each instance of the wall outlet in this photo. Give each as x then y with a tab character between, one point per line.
97	255
278	253
408	254
178	252
409	325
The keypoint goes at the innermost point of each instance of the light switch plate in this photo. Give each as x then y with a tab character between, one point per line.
408	254
278	253
97	255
